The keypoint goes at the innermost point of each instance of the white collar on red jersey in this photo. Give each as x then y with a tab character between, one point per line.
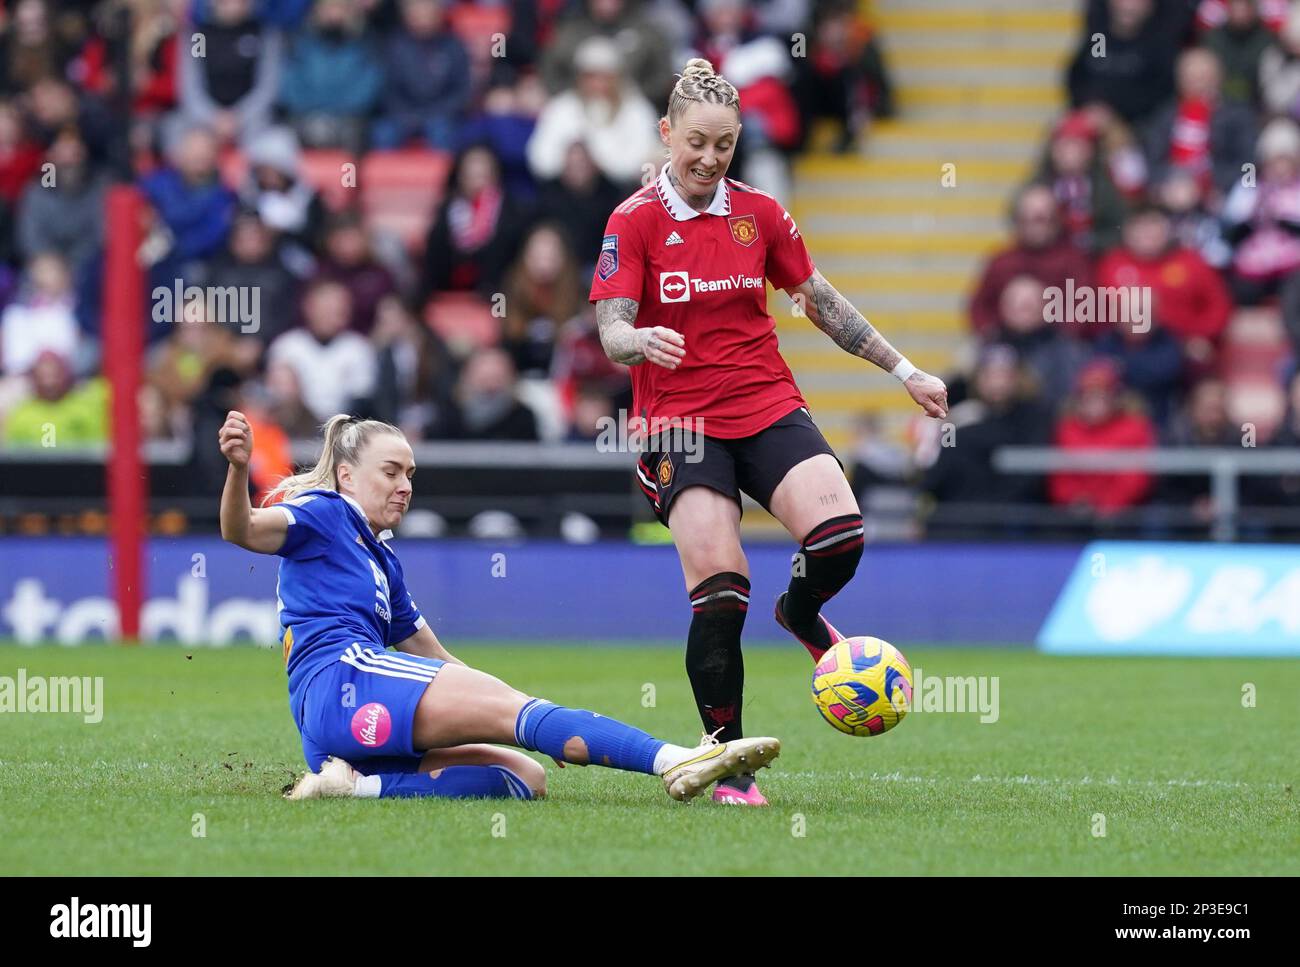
677	207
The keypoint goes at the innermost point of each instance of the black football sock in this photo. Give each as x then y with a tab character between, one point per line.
826	561
740	783
713	660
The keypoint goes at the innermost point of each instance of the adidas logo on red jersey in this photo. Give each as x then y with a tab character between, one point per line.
674	239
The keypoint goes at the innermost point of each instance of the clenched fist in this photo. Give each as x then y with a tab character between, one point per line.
236	439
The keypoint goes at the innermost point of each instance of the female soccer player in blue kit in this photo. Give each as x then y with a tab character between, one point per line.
377	723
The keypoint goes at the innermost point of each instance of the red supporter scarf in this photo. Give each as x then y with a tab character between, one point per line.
1189	147
473	221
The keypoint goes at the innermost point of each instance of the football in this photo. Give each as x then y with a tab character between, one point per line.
862	686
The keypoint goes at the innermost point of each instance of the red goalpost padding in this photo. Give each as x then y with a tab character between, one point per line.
123	349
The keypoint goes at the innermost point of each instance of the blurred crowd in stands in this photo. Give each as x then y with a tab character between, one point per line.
415	190
1176	169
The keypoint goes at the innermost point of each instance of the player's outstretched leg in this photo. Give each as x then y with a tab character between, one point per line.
459	707
829	552
463	705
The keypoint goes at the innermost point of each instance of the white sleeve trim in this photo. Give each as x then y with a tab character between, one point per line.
287	513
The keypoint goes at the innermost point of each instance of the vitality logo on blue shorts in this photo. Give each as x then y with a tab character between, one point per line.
371	725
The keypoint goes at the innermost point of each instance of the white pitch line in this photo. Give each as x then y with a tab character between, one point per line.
1028	780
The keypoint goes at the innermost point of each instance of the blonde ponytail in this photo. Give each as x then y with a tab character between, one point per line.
345	438
698	83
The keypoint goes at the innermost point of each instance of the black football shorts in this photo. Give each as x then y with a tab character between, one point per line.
754	464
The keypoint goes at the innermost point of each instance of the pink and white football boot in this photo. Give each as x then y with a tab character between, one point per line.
739	790
813	650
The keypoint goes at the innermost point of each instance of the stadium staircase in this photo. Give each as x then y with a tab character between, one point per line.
976	85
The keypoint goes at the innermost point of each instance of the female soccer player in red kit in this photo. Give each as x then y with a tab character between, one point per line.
680	297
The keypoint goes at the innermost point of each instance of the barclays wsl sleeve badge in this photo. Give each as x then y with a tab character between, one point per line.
608	263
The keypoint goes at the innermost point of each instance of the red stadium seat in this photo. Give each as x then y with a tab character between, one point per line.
464	320
1255	345
1261	402
1255	353
400	190
475	25
322	168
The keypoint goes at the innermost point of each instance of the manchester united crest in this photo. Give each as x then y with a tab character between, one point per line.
665	471
744	229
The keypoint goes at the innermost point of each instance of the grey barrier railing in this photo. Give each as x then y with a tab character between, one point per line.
1223	465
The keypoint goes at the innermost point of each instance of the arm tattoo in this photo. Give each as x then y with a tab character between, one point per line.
835	316
615	319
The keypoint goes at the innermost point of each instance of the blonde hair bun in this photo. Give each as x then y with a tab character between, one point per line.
699	83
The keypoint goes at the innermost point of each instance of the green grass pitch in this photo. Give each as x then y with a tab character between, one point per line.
1187	779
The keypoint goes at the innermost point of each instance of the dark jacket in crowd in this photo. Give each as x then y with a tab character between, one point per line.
425	77
1137	74
447	269
581	216
1152	367
965	472
276	287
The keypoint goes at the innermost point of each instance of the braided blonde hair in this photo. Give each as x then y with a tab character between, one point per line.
345	438
699	84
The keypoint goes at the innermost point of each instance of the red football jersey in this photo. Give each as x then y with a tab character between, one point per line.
702	274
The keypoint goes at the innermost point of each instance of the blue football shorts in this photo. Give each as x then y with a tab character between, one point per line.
361	708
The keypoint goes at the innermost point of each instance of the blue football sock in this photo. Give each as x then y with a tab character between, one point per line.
545	727
455	782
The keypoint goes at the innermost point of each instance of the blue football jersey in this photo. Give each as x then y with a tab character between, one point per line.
338	585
